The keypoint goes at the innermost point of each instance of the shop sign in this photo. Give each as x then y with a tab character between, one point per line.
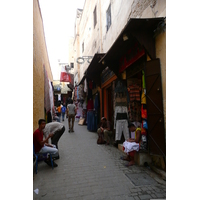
66	77
132	55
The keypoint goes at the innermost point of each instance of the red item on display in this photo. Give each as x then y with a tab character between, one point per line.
143	131
90	105
143	112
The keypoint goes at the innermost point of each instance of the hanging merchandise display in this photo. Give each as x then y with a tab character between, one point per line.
143	145
144	124
92	108
121	112
85	86
143	112
134	107
137	107
143	80
143	96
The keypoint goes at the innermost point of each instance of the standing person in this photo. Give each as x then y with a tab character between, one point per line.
59	111
71	112
63	110
55	117
42	146
57	129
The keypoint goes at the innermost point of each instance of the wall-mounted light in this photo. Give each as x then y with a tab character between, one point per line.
103	62
125	37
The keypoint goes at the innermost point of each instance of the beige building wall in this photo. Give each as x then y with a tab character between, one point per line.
88	34
40	58
158	9
71	53
120	12
100	40
76	47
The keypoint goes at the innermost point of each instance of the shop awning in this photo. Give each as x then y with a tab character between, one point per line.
95	68
82	80
141	30
70	86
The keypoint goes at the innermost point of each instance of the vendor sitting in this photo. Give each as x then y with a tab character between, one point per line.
105	130
132	144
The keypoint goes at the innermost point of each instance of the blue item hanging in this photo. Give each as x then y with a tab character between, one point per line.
144	122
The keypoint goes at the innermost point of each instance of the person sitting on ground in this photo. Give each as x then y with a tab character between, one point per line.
57	129
71	112
105	130
42	146
132	144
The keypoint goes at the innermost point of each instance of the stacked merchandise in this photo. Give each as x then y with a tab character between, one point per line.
143	144
134	89
121	112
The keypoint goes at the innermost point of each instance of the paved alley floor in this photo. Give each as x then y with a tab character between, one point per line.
87	171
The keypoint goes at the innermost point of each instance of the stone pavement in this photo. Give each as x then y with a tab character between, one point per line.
87	171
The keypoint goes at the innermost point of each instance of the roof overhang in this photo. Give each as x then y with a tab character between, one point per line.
94	69
136	29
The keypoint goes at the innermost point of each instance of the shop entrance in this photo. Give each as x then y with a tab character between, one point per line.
154	104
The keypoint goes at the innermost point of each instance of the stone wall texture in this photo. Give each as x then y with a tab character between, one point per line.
40	58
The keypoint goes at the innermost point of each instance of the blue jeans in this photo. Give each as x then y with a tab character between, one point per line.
63	116
59	115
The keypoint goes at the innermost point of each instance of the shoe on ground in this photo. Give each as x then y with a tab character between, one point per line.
56	158
48	162
69	130
72	130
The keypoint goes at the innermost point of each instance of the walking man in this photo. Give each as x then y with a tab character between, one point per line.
71	112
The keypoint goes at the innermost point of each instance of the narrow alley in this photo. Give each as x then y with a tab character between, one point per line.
90	171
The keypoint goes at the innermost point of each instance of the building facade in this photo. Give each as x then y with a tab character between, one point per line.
41	66
106	32
97	34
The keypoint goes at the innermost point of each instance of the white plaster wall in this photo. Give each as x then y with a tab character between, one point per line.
121	11
88	34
